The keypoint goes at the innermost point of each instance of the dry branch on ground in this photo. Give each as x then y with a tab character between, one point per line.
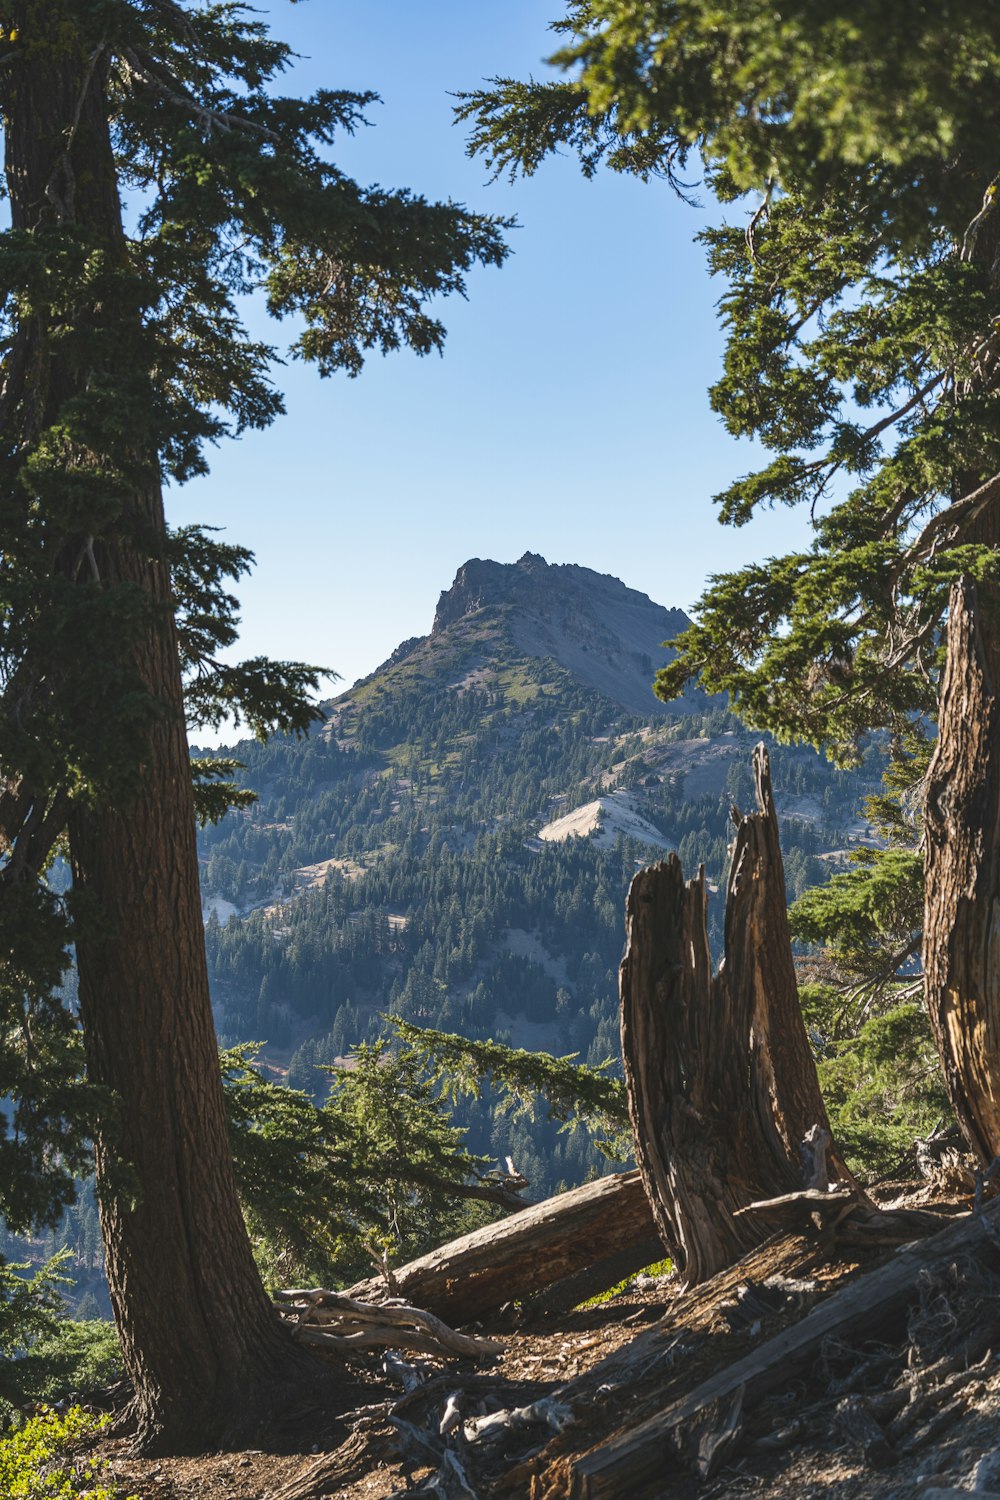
340	1325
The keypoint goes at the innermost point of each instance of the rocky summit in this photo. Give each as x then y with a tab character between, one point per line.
607	636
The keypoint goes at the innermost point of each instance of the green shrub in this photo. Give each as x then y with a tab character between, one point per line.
30	1466
658	1268
68	1358
882	1086
44	1355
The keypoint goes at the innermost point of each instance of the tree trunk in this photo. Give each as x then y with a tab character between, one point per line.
722	1086
543	1245
201	1343
961	959
962	862
200	1339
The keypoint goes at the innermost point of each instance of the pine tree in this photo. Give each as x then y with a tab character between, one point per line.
154	176
862	308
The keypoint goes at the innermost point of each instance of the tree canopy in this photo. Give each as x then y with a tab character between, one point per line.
855	142
230	190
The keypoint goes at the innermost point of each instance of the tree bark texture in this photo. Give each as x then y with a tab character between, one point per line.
722	1086
961	937
200	1339
758	964
543	1245
962	864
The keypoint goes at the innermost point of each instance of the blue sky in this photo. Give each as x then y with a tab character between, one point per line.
568	415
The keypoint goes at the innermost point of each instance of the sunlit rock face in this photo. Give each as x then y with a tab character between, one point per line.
608	636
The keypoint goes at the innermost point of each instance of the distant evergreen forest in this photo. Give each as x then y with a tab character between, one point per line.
439	903
391	865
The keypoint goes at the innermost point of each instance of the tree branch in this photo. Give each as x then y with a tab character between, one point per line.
895	416
503	1197
869	987
762	211
175	13
63	203
960	514
170	88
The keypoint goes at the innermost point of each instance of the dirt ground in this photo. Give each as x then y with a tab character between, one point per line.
797	1444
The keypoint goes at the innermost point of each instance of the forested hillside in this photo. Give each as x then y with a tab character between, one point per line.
394	863
441	855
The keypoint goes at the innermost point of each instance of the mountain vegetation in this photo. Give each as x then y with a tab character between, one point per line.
396	864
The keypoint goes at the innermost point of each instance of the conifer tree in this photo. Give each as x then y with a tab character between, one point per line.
856	146
154	176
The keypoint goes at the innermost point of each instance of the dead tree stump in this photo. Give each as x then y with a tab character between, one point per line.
722	1086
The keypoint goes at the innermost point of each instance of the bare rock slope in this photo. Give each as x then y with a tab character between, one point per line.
608	636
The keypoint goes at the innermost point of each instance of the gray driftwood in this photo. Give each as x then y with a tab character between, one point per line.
338	1324
801	1205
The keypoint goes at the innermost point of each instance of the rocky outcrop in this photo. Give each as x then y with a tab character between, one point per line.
608	636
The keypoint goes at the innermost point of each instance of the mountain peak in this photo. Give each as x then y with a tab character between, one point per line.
533	583
606	634
480	583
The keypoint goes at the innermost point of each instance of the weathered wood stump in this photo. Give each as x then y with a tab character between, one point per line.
722	1086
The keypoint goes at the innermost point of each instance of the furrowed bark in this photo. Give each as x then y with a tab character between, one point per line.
686	1071
961	950
962	865
758	961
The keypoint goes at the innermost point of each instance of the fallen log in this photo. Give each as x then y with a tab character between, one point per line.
542	1245
565	1295
635	1457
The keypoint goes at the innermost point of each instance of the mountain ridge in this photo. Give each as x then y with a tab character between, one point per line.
608	636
